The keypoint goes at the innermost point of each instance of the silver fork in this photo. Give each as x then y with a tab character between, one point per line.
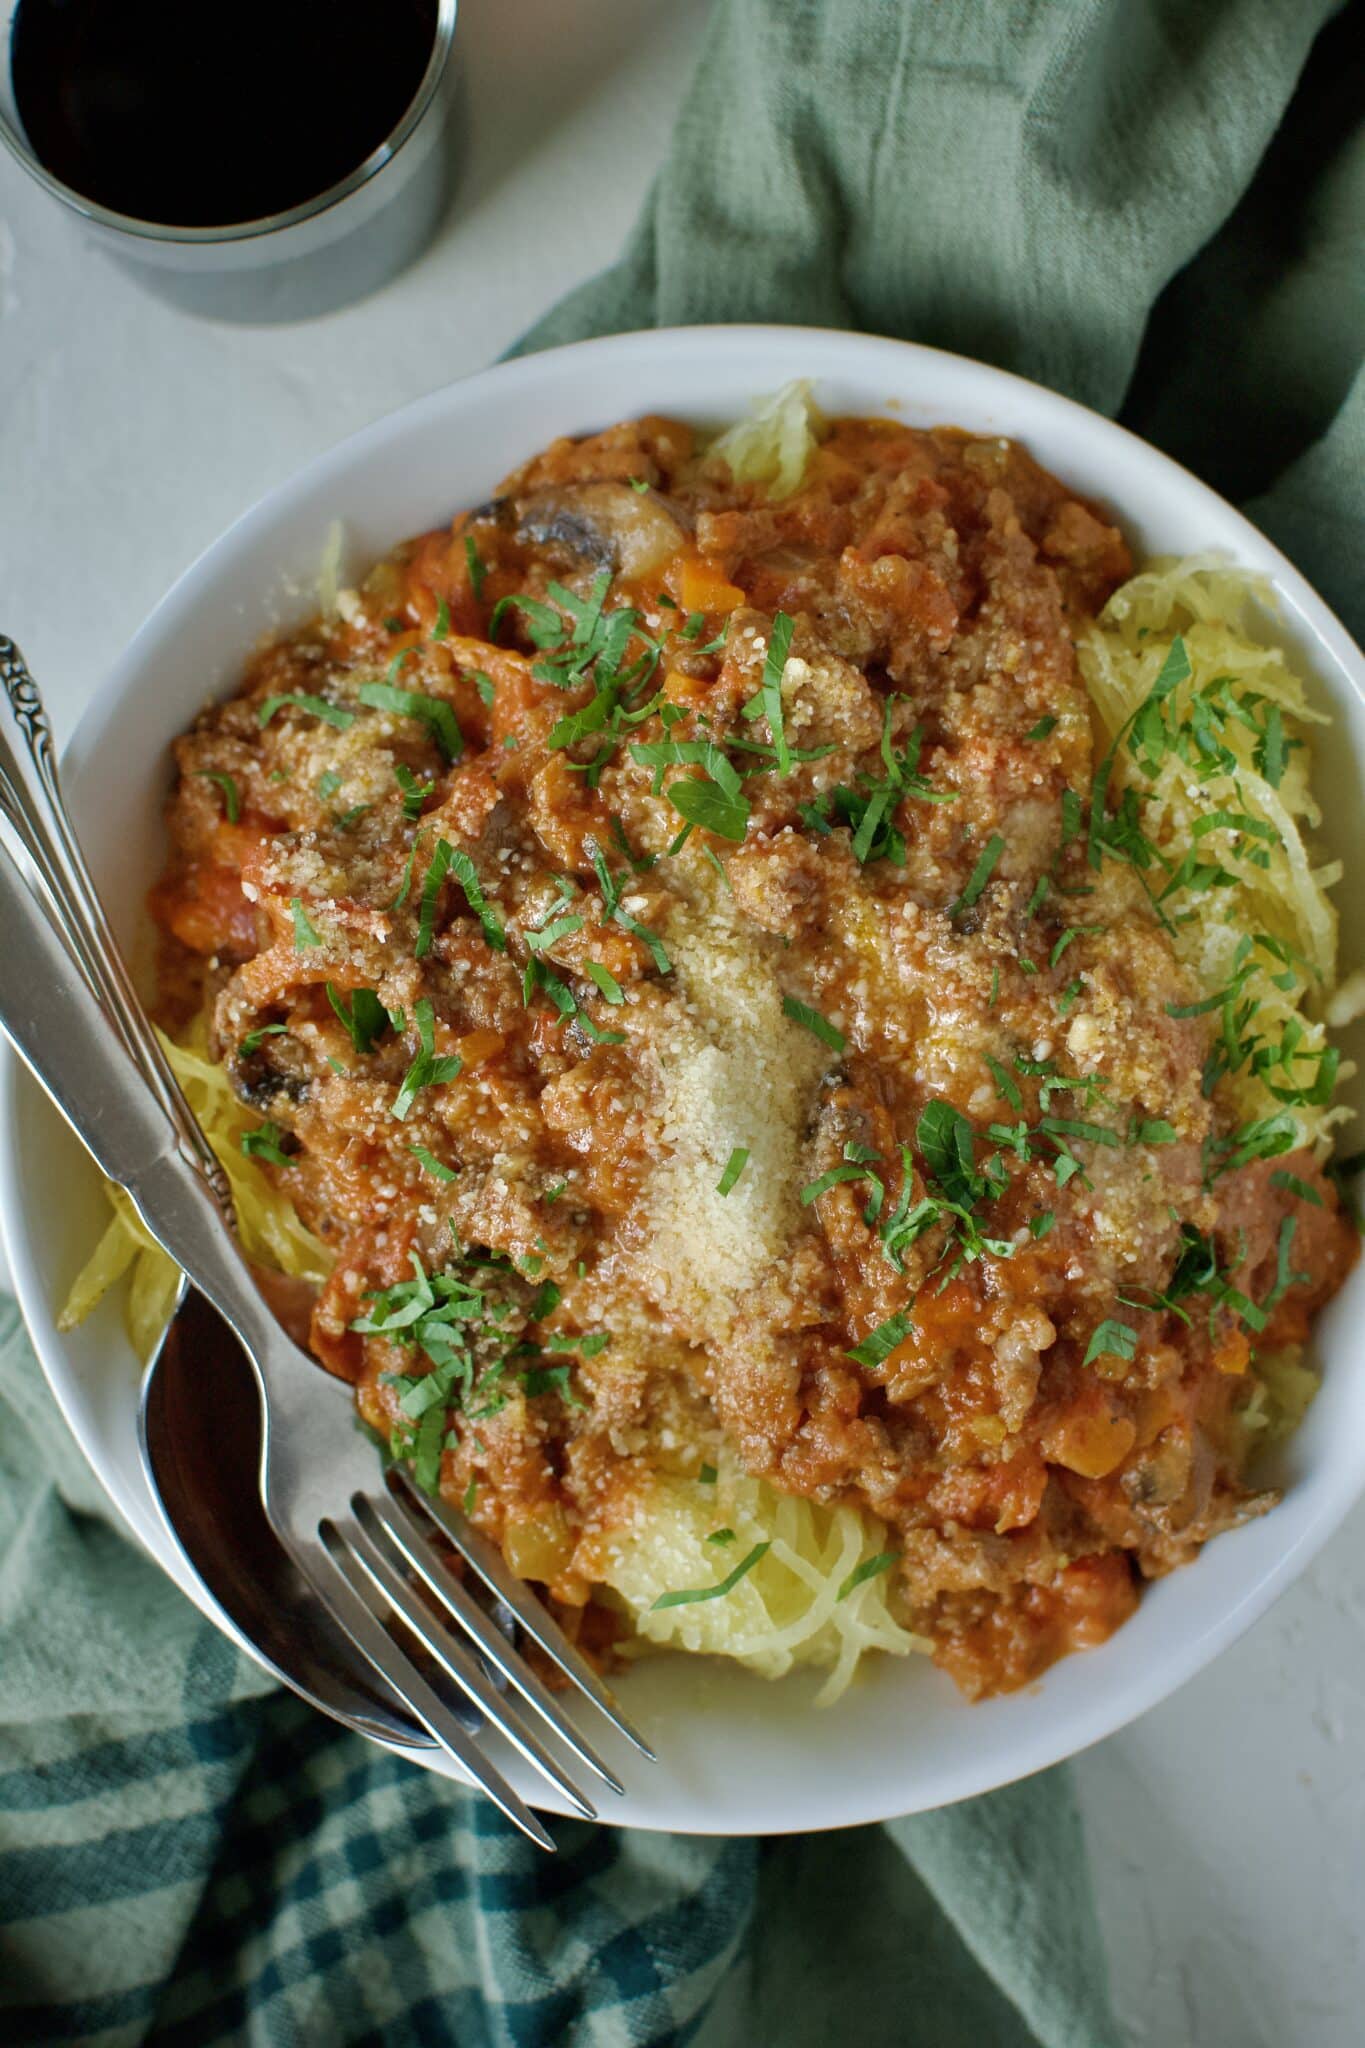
355	1541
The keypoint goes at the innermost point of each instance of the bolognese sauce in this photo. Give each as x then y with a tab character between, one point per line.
673	938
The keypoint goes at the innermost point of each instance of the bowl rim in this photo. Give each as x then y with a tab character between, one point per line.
1083	1722
136	229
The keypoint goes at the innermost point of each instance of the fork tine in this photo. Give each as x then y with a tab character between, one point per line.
455	1658
537	1621
403	1529
328	1572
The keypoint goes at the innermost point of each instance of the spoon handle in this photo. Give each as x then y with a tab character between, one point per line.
32	801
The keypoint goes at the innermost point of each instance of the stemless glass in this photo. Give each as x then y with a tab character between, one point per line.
308	259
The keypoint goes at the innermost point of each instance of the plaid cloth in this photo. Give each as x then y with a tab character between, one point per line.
1141	202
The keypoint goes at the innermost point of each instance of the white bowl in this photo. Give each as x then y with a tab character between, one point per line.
738	1755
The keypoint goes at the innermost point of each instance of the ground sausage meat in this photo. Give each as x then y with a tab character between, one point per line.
638	835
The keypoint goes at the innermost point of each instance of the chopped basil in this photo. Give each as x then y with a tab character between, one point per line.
947	1146
769	699
980	875
879	1344
232	802
426	1071
1006	1086
713	808
708	1475
415	793
596	1033
551	1379
836	1177
606	981
264	1143
1271	754
1292	1185
587	1346
431	1164
647	938
811	1020
541	938
304	934
1284	1277
721	1536
401	898
484	684
1073	931
253	1038
1112	1340
734	1167
1152	1130
1262	1138
1041	1224
328	785
466	874
320	708
364	1017
432	712
1046	724
426	1466
727	1584
478	569
870	1568
441	630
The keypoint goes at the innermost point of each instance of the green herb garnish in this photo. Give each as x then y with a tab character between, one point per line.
426	1071
432	712
364	1018
318	706
1111	1340
606	981
870	1568
980	875
253	1038
878	1345
264	1143
232	802
431	1164
811	1020
415	793
727	1584
305	936
734	1167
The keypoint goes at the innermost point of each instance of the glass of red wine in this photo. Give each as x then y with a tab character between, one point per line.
266	160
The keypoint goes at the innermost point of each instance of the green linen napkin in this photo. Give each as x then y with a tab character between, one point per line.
1143	203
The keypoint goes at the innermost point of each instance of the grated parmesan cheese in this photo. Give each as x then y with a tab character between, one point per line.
733	1070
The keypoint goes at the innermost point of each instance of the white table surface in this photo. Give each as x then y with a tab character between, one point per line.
1227	1828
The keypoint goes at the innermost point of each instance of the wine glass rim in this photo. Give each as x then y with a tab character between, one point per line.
267	224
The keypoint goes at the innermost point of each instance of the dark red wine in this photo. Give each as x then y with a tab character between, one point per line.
198	115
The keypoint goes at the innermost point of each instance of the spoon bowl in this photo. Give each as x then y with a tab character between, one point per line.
200	1428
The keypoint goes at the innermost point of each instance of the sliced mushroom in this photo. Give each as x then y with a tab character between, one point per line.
610	526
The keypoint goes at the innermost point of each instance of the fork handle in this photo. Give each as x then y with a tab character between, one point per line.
31	798
68	1043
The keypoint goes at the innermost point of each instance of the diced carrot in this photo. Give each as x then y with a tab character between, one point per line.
1092	1445
701	586
1234	1353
